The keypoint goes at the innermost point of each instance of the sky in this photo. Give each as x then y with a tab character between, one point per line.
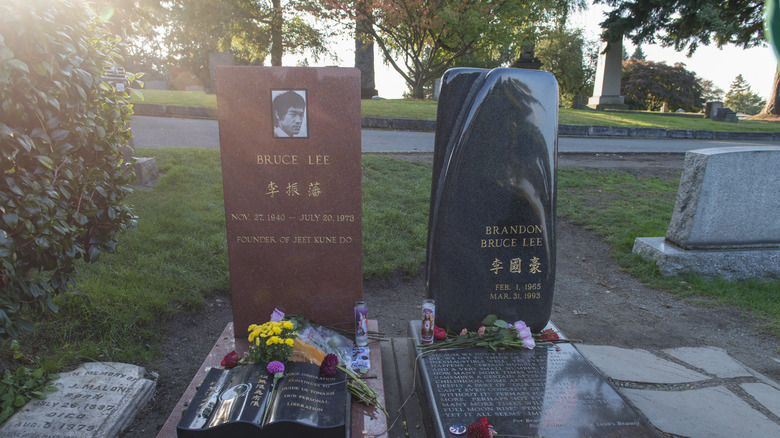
721	66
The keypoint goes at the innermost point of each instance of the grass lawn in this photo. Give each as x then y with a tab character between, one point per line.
426	109
178	252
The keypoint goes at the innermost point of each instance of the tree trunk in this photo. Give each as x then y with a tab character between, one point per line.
418	91
364	56
773	103
772	108
276	33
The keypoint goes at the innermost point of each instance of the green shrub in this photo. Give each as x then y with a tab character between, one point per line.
62	134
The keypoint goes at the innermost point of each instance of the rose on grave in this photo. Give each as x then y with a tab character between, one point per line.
230	360
549	335
328	365
477	430
481	429
439	333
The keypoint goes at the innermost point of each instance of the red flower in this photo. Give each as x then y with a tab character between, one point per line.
477	430
439	333
328	366
549	335
230	360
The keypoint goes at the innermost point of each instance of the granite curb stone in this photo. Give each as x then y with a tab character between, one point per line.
421	125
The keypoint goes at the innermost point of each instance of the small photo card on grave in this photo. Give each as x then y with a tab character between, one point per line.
291	171
288	113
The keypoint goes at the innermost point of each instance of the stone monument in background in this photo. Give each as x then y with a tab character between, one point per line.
290	147
606	91
725	221
491	238
364	58
217	59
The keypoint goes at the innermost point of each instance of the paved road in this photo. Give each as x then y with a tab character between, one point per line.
166	131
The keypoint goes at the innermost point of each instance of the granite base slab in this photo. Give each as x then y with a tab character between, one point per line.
541	392
728	264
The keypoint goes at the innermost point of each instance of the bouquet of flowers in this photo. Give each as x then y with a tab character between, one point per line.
495	334
272	341
292	338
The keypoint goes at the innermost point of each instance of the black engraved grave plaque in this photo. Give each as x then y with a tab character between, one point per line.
245	402
551	392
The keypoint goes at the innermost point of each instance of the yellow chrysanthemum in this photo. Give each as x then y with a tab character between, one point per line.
287	325
289	342
277	330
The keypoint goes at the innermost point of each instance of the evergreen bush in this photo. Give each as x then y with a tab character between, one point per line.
63	131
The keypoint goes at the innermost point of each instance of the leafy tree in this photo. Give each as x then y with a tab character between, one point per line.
742	99
137	23
648	84
710	92
687	23
571	58
250	29
61	138
638	53
421	39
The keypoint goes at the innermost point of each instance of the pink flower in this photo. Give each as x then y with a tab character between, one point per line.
481	330
524	333
275	367
439	333
230	360
522	330
464	332
277	315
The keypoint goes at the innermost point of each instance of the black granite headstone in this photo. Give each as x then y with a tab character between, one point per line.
551	392
725	115
491	239
245	402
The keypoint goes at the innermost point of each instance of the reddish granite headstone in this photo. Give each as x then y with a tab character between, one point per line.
290	144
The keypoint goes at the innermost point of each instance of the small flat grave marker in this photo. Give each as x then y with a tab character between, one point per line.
98	399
